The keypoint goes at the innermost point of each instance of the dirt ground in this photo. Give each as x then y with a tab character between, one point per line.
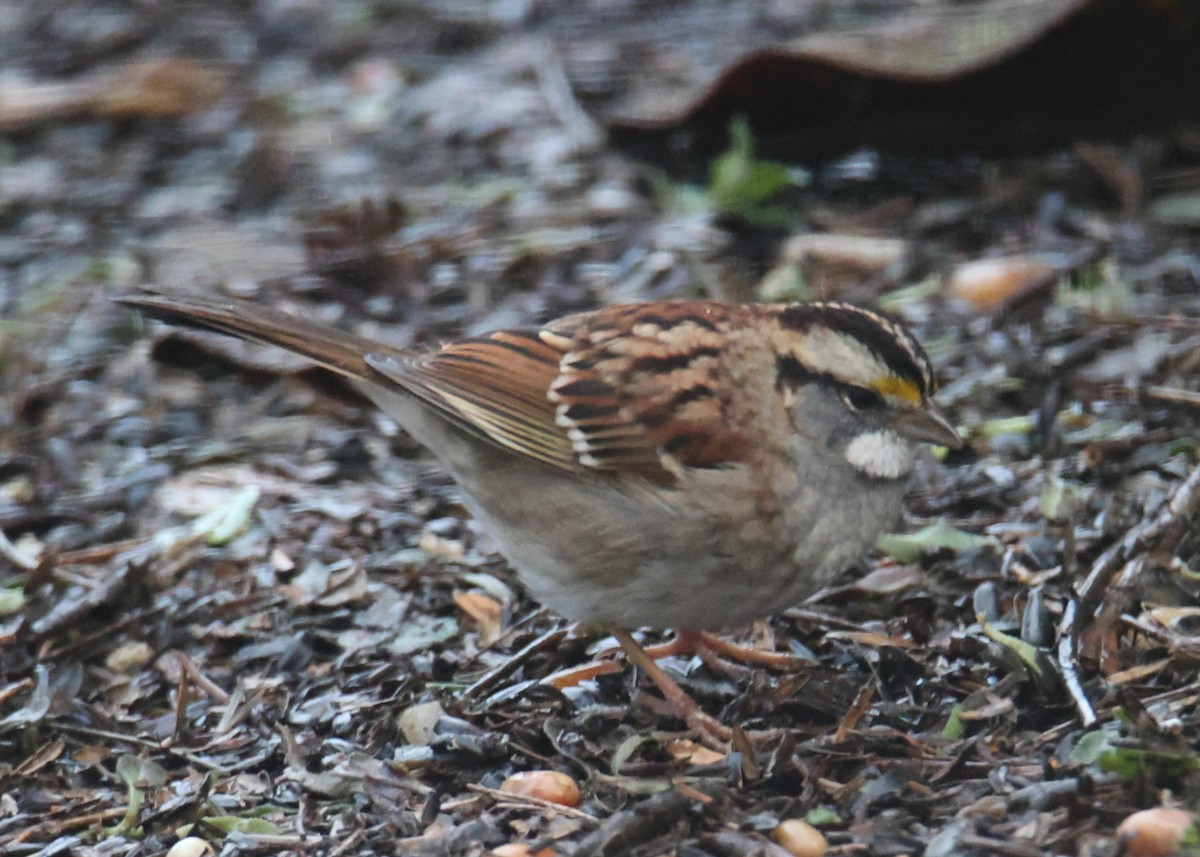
237	603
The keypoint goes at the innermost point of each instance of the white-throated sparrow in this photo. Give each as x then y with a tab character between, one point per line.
687	464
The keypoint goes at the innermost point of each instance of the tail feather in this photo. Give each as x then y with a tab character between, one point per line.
323	344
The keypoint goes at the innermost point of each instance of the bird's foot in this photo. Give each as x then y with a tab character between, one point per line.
722	649
715	651
711	732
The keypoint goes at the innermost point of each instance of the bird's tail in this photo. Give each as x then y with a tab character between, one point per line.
323	344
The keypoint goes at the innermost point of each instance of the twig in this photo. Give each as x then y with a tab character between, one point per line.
276	843
154	746
57	828
1174	394
188	666
1168	524
529	802
350	842
498	673
70	611
1015	848
1068	658
1163	531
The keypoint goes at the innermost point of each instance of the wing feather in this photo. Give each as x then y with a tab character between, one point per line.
623	389
494	386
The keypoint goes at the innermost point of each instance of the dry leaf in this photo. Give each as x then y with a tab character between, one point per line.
485	610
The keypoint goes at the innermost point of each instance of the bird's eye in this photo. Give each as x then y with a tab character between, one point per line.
860	399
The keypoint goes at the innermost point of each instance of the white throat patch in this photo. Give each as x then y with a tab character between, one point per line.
880	454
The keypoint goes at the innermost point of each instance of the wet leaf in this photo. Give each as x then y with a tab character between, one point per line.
625	751
888	579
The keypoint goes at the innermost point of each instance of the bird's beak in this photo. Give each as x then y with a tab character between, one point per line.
927	424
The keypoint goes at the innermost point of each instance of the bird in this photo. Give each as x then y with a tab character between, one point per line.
688	464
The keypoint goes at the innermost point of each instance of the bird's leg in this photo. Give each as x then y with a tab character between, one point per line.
709	729
676	701
712	649
683	643
680	644
703	641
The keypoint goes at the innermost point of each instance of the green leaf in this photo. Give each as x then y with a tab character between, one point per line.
1179	209
1061	500
955	726
1098	289
1005	425
11	601
907	547
1089	749
1103	431
822	817
236	824
217	526
129	769
137	774
625	751
741	184
415	638
1027	653
1190	841
223	523
1162	768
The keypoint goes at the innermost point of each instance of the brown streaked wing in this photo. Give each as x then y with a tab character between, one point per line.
595	416
641	387
626	389
496	386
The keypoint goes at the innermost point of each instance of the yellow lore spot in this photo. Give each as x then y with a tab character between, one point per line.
898	388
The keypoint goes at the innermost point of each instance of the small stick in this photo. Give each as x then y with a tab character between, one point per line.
1168	525
1163	531
1068	657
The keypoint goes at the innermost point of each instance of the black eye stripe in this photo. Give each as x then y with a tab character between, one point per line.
791	373
861	399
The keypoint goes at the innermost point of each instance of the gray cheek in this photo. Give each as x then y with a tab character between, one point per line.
819	415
